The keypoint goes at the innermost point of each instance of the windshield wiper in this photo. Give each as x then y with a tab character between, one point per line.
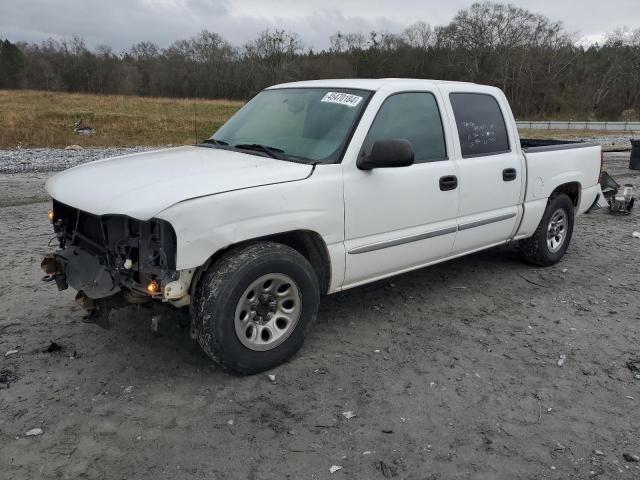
273	152
215	142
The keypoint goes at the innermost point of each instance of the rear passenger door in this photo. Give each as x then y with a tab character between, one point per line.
490	169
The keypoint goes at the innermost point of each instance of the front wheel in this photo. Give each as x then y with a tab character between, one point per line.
253	307
553	235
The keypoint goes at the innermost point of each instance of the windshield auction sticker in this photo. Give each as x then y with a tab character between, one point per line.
342	99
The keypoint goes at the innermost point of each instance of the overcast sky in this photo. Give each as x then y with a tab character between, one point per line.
121	23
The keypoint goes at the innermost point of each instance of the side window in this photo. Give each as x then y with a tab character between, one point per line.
410	116
481	126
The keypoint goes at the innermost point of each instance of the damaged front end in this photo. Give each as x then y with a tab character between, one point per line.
114	260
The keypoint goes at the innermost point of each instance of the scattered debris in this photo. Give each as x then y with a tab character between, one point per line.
10	352
348	414
633	364
34	432
334	468
629	457
561	360
7	377
271	377
387	470
80	129
53	347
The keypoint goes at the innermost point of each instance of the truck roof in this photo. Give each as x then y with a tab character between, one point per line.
365	83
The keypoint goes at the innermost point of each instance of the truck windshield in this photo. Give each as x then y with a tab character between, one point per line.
302	124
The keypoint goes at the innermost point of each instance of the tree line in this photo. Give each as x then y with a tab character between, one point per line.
544	72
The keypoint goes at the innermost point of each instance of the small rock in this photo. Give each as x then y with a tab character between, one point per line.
271	377
128	389
376	351
230	422
636	234
10	352
564	270
598	452
348	414
637	376
291	432
367	452
629	457
563	358
334	468
34	432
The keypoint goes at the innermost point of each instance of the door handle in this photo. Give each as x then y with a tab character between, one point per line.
509	174
448	182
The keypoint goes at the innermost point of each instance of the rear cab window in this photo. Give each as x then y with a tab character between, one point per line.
481	126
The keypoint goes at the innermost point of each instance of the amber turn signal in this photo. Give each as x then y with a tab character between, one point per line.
51	215
153	287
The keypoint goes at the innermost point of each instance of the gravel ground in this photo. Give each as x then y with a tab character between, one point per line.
451	372
38	160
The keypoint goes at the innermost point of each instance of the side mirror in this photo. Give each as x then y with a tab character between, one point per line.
388	154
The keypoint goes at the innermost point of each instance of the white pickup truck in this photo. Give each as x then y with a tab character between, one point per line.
312	188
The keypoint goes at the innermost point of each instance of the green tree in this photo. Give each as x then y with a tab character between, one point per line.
12	65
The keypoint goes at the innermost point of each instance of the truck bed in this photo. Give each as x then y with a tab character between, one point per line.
544	145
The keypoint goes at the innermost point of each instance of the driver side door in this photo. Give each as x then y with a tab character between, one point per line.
398	219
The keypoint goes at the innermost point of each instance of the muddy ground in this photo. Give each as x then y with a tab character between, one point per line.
451	372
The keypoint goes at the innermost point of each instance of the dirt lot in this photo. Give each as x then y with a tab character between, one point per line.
451	372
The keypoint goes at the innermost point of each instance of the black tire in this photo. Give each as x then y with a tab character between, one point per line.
536	250
220	290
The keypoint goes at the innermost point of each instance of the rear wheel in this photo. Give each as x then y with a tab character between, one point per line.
553	235
253	307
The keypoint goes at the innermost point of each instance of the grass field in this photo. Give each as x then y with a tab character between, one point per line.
46	119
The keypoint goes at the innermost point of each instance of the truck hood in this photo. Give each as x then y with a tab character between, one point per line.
143	184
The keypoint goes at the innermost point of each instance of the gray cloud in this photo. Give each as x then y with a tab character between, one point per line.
120	23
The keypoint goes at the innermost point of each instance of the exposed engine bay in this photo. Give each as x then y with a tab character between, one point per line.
111	260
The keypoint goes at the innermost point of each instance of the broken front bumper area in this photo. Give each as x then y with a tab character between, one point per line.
114	260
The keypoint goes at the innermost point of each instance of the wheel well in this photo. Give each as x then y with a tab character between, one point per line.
307	243
571	189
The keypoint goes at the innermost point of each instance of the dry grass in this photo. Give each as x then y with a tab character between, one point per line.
45	119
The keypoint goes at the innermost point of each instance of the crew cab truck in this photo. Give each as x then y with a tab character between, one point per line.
312	188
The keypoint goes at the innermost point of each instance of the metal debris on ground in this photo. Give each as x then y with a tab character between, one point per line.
620	198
